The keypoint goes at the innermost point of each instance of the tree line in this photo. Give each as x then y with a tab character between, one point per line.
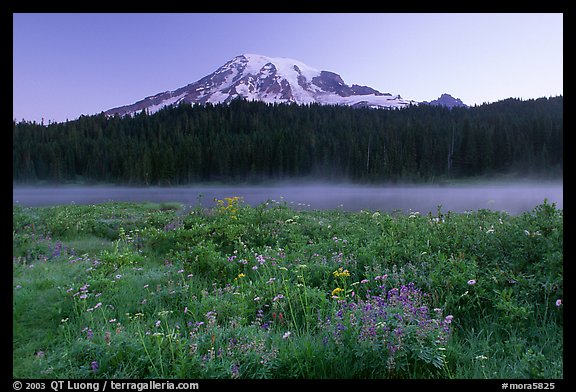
253	141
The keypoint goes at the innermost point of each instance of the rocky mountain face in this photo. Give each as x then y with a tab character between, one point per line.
446	100
273	80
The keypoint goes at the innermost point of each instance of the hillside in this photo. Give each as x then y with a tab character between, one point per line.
253	141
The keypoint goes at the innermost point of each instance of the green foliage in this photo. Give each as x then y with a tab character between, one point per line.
125	252
270	292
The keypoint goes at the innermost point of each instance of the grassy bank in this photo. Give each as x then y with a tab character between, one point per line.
155	290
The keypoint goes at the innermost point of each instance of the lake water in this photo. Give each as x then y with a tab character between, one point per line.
512	198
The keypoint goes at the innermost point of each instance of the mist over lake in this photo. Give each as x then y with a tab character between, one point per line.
513	198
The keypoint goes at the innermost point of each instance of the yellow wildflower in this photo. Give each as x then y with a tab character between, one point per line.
336	291
340	272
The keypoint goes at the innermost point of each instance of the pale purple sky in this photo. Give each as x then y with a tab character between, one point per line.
66	65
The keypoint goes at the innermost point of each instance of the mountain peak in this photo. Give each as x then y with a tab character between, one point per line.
271	80
446	100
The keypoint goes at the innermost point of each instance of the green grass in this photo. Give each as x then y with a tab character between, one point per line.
152	290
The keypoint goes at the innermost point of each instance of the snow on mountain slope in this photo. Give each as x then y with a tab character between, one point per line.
271	80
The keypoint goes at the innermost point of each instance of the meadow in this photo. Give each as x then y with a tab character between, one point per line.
160	290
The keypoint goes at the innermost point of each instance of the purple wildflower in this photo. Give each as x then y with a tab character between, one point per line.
235	371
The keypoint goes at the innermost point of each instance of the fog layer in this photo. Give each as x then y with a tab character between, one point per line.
512	198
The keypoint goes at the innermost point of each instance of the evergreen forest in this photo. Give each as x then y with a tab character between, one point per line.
253	141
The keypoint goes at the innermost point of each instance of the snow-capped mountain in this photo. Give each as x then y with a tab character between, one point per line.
271	80
446	100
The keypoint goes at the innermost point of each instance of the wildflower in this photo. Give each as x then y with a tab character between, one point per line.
186	309
558	302
157	323
286	335
180	271
40	354
448	319
241	275
276	298
94	366
256	298
340	272
97	305
336	291
471	282
235	371
364	281
118	276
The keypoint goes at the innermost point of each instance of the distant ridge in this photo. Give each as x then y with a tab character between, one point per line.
446	100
